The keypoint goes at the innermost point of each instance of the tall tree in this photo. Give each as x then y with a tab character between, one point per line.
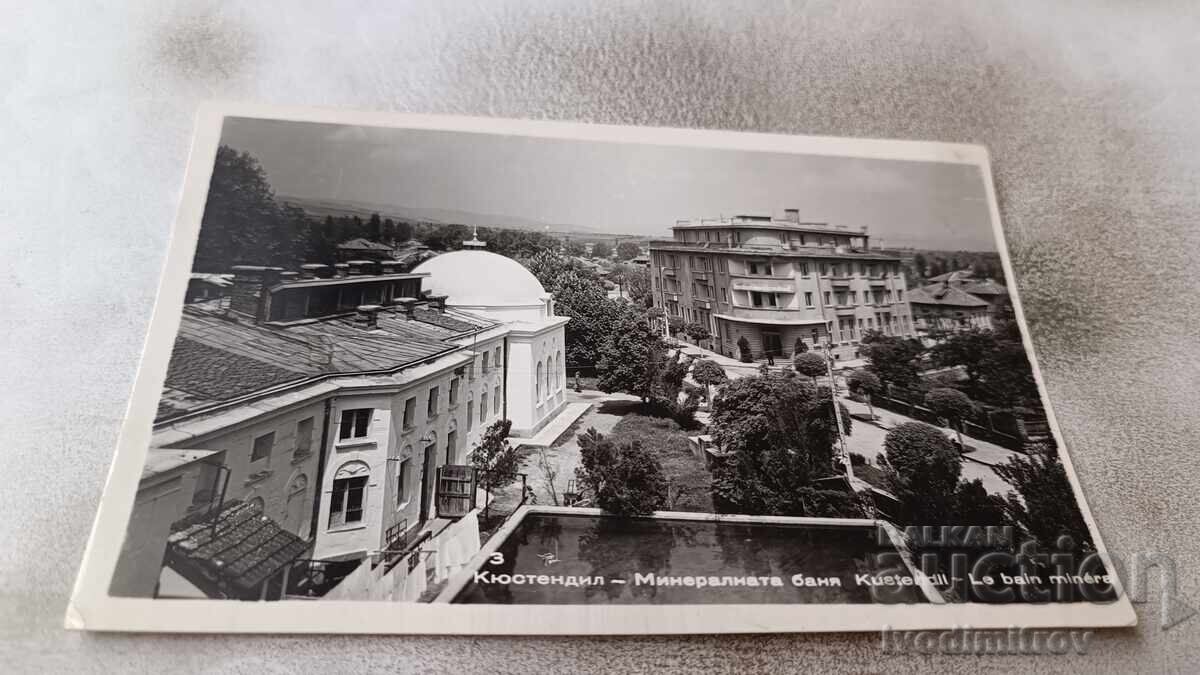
631	356
242	223
892	359
1046	507
601	249
811	364
865	384
578	294
926	468
628	250
574	248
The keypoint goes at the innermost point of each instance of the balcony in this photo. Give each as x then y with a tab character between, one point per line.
840	280
773	315
844	310
878	280
701	274
669	271
764	284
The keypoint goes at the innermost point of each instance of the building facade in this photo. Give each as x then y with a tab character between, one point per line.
776	282
326	402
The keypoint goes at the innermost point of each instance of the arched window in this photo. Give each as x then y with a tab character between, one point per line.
349	497
483	406
538	385
403	470
470	410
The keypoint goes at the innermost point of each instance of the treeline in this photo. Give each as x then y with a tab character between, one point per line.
929	264
245	224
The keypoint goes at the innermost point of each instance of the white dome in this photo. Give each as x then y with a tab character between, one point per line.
481	279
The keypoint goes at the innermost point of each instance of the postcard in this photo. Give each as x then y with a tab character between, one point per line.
426	374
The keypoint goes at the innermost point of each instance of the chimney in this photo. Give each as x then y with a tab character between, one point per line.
341	270
410	307
249	294
312	270
792	215
440	301
367	317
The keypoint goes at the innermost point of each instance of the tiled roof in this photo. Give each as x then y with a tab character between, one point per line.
241	551
941	294
217	358
361	244
983	287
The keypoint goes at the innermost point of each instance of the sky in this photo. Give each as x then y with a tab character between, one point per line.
618	187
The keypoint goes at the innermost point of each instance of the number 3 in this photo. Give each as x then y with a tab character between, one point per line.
496	558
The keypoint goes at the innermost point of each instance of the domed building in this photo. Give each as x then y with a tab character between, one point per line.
500	288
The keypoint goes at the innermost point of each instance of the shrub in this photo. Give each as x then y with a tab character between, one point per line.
926	462
857	459
951	404
744	350
799	347
626	478
810	364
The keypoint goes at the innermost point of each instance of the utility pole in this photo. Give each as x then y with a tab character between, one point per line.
837	412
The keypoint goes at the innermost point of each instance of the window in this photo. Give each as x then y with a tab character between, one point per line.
538	383
402	481
470	411
262	447
808	299
431	406
496	357
485	361
899	295
355	423
827	297
724	294
304	429
410	412
758	299
760	268
454	390
496	400
349	494
803	265
483	409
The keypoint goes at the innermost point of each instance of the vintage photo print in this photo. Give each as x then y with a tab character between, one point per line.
412	374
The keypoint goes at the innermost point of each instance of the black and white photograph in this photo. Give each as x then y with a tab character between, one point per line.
454	375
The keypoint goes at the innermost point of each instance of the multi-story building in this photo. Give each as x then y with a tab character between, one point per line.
943	307
776	282
311	414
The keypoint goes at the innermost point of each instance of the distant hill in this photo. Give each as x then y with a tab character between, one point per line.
320	208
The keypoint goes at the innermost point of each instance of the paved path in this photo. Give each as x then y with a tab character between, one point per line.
867	440
551	432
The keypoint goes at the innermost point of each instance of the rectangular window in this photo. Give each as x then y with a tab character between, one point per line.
899	295
803	265
346	503
355	423
402	482
431	406
304	429
451	443
808	299
486	356
410	412
828	297
470	414
454	390
758	299
496	357
262	447
496	400
483	407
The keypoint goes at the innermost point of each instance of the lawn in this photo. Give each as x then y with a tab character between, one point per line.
691	483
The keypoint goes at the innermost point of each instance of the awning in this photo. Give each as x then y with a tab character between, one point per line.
232	552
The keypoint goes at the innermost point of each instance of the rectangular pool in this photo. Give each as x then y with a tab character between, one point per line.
540	548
